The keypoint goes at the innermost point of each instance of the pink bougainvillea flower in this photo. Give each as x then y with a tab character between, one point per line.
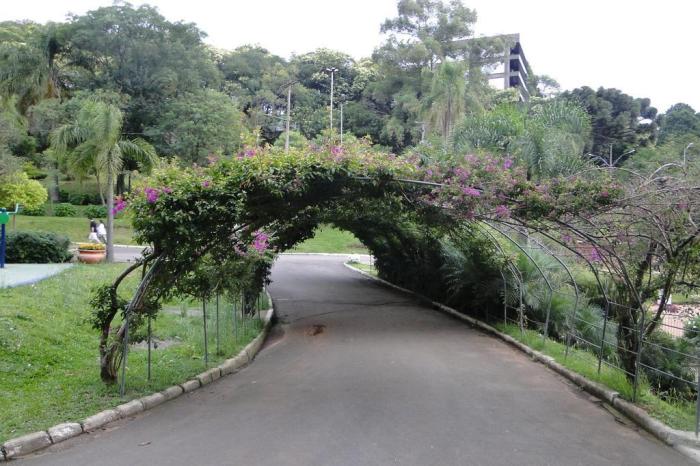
502	211
507	163
152	195
206	184
260	241
336	150
119	205
470	191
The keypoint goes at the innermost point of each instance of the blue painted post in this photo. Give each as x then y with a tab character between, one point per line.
4	218
2	247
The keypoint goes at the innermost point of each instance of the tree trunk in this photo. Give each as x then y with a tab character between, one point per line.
110	214
99	188
627	342
120	184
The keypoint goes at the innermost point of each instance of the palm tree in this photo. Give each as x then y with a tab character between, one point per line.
28	64
94	144
445	101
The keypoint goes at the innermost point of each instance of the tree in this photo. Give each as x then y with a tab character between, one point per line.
425	34
135	51
29	62
617	119
197	125
445	103
679	120
94	141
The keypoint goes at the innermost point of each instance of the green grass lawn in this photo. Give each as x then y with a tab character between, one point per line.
49	370
75	228
329	239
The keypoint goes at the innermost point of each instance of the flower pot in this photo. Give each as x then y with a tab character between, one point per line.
91	256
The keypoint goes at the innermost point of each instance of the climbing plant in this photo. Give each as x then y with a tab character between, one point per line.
238	212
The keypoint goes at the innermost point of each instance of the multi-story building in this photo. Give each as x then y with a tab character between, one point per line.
513	70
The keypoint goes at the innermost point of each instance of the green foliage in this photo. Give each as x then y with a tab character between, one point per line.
197	125
95	211
17	188
615	119
29	247
65	210
679	120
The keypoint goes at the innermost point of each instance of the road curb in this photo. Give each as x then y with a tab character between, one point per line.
32	442
679	440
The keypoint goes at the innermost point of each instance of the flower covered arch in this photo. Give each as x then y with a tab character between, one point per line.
236	214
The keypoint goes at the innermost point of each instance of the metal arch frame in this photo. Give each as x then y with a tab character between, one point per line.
539	269
515	272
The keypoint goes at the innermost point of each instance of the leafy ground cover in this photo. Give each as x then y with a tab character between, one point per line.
49	371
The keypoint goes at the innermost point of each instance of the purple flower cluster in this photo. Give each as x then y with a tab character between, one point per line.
470	191
206	183
502	211
260	241
119	205
152	195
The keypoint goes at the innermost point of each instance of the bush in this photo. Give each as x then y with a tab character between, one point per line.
96	211
79	198
30	247
65	210
19	189
35	211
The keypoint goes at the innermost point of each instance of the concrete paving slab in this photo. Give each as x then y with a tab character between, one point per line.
26	274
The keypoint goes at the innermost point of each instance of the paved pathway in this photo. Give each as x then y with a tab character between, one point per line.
356	374
25	274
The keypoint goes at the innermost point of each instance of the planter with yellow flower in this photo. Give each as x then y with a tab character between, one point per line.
91	253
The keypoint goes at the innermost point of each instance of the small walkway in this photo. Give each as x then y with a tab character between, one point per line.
26	274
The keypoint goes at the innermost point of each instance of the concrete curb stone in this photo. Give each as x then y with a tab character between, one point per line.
29	443
152	400
100	419
637	414
172	392
26	444
190	385
128	409
61	432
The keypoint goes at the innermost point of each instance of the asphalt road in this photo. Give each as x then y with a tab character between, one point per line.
356	374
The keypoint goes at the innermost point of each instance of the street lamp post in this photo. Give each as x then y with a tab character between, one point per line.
332	72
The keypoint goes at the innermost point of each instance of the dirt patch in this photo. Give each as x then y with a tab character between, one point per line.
157	344
315	329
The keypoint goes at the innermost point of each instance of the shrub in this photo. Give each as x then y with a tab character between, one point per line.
65	210
96	211
27	247
79	198
19	189
34	212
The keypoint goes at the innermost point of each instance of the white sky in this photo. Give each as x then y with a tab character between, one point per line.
645	48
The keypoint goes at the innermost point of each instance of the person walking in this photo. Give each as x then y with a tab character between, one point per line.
102	232
92	237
